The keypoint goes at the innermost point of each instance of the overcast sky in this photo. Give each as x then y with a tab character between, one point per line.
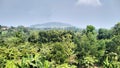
100	13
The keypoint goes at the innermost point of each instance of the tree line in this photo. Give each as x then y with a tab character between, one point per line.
22	47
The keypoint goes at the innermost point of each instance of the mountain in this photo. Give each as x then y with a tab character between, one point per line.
51	25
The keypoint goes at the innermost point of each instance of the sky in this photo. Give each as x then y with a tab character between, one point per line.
80	13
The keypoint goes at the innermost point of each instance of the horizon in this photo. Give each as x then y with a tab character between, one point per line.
79	13
63	24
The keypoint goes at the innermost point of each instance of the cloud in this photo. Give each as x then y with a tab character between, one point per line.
89	2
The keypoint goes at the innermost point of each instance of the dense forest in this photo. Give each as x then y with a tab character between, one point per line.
23	47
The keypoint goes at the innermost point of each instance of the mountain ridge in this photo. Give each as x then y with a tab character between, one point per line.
51	25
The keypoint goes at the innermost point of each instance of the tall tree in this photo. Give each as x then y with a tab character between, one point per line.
116	29
104	33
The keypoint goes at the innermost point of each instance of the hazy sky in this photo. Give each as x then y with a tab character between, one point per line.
100	13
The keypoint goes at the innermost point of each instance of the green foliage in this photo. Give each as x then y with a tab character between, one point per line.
90	28
65	65
104	34
10	64
21	47
116	29
111	61
114	44
88	61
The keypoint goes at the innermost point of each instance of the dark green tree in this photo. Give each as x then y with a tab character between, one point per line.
116	29
104	34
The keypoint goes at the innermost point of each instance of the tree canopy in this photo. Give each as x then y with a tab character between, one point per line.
22	47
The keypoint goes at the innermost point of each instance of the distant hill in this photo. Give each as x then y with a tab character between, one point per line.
51	25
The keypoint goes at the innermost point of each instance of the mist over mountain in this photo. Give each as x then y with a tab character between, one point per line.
50	25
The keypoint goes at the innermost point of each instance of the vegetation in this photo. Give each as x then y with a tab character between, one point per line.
22	47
